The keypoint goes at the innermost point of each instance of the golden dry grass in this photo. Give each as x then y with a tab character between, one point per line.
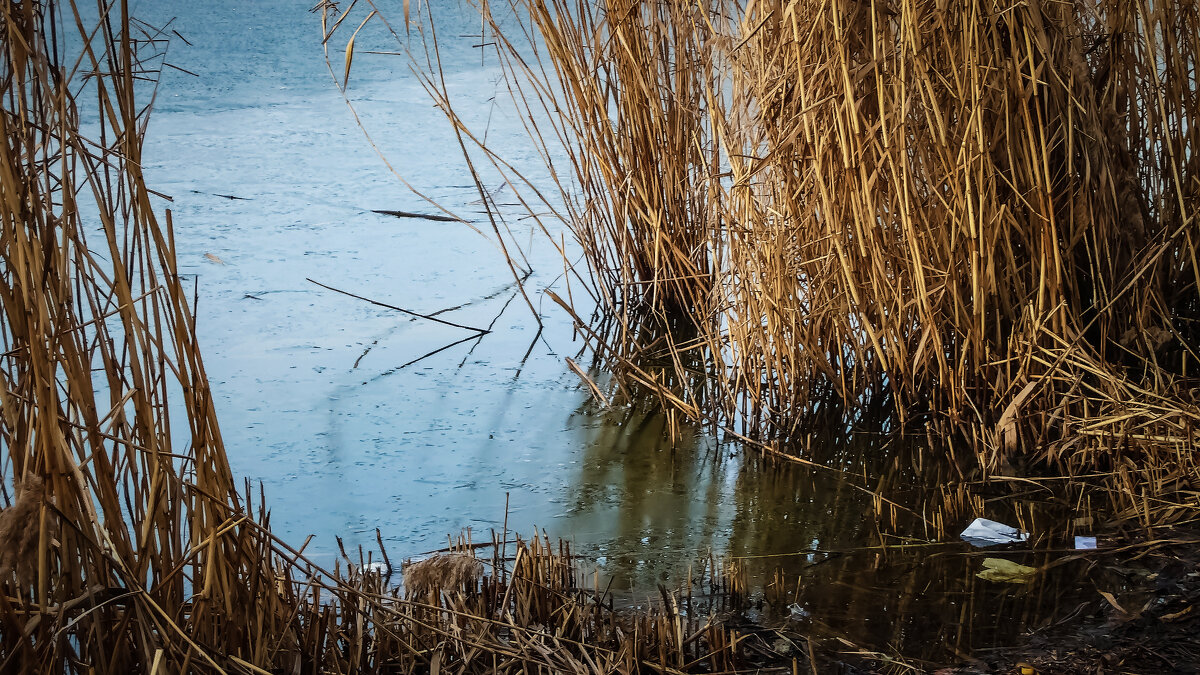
988	212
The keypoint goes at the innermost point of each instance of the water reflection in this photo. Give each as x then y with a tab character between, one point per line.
827	556
657	503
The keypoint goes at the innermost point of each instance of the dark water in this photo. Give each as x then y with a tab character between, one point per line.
328	402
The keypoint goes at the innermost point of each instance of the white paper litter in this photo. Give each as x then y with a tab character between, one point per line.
983	532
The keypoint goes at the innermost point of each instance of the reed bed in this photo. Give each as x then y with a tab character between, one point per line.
970	216
974	207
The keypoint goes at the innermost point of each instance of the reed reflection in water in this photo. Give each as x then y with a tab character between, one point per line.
819	551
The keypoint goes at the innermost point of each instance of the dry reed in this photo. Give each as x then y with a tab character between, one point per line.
977	217
439	572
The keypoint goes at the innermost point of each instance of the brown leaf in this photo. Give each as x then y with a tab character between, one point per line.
350	49
1006	428
1175	616
1113	601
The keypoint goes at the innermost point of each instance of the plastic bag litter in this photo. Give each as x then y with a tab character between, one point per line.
1006	571
983	533
1085	543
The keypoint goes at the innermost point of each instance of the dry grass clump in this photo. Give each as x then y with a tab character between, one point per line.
537	611
443	571
989	212
954	188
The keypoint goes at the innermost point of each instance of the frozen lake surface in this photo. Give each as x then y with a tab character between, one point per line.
316	400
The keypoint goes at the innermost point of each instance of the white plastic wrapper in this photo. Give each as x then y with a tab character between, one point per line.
983	533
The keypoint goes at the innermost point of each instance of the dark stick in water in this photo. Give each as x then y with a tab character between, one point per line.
426	216
400	309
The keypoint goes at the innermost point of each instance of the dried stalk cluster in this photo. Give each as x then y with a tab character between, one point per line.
979	216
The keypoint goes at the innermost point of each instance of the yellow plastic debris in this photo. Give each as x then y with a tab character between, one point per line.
1006	571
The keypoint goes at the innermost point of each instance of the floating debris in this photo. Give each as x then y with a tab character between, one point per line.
424	216
377	567
983	533
1006	571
